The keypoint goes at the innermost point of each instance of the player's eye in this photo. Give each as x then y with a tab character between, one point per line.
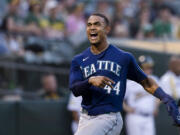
97	23
89	24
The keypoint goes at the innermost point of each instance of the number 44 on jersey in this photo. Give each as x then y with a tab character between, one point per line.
116	88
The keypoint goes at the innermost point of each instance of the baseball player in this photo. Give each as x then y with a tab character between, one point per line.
99	75
74	106
139	105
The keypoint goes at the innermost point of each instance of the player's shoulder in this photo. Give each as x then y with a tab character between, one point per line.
117	50
81	55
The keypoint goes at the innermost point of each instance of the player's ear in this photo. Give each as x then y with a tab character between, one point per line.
108	29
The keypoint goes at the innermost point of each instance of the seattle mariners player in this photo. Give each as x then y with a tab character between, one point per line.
140	105
99	75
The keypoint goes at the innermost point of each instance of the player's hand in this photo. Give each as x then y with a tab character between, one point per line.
101	81
172	109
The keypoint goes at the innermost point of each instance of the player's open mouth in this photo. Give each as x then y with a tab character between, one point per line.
94	36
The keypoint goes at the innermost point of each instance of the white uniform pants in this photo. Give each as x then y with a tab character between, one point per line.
74	126
104	124
137	124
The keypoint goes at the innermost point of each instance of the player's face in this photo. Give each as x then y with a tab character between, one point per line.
96	29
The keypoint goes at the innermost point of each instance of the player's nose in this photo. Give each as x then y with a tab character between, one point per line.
93	27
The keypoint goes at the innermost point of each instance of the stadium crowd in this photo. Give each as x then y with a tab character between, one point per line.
24	22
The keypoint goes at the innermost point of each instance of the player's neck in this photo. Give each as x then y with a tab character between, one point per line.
97	49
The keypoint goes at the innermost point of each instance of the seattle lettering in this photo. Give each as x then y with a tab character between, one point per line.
101	65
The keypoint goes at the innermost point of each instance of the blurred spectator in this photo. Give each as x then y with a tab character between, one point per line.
24	8
176	27
34	17
170	81
141	26
129	8
156	6
75	21
47	5
3	9
54	27
69	4
120	29
162	25
62	10
9	45
14	46
142	5
119	11
120	24
105	7
145	28
3	45
13	22
49	89
75	24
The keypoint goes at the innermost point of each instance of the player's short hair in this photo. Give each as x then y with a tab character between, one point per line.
102	16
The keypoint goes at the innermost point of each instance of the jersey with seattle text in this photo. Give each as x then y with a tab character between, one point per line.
113	63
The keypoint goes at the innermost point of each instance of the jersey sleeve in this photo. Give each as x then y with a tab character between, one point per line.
135	73
75	73
76	82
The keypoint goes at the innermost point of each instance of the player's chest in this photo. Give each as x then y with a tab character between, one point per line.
95	66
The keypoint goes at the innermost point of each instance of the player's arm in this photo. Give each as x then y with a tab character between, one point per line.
152	87
79	86
136	74
76	82
149	85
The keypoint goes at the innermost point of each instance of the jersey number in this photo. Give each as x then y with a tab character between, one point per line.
116	88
